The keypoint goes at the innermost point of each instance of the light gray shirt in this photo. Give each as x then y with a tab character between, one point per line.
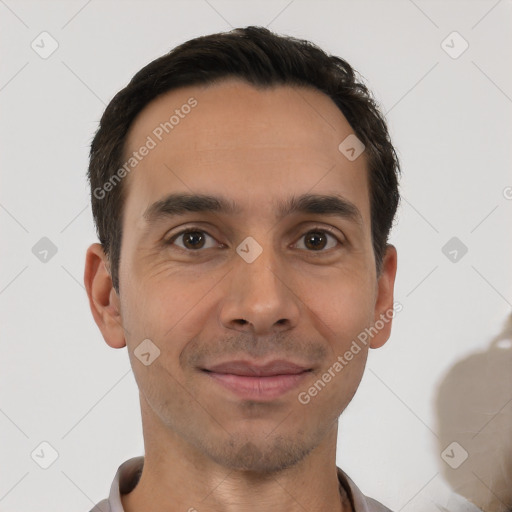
129	473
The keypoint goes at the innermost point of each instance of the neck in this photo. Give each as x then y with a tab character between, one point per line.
178	476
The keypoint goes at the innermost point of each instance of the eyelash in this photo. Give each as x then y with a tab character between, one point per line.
193	229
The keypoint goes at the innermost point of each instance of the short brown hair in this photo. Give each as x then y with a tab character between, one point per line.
263	59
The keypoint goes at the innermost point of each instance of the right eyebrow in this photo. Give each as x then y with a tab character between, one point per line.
180	204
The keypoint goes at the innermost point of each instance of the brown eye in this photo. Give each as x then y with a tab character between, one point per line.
317	240
192	239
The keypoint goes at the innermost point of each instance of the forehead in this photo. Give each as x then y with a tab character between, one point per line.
255	145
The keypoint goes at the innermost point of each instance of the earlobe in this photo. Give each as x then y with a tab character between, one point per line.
384	305
103	299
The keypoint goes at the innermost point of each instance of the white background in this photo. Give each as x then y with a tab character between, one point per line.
450	120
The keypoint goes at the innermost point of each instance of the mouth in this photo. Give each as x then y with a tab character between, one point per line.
258	382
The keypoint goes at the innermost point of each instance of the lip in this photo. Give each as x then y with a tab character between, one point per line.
258	382
250	369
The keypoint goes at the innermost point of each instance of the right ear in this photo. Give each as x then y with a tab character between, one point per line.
103	298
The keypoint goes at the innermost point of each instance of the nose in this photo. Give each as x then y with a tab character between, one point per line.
260	298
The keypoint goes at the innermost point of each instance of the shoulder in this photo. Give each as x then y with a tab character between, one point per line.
126	478
360	502
375	506
102	506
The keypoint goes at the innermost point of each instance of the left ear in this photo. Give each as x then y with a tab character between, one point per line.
384	303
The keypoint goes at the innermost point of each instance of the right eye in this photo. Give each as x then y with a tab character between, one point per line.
193	239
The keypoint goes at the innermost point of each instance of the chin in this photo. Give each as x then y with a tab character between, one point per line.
262	456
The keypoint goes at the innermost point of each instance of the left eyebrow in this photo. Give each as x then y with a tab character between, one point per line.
178	204
321	204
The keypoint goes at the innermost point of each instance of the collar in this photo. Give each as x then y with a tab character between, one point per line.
129	472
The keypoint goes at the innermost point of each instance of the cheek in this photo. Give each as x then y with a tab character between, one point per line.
342	304
167	307
331	389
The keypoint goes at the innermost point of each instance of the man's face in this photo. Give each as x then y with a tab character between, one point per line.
304	299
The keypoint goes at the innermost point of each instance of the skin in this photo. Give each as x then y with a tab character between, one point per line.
205	447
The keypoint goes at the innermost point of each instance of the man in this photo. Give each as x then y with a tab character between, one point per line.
243	188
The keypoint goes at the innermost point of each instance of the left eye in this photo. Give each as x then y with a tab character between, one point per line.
312	238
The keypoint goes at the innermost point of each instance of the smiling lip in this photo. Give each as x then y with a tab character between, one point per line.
256	382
